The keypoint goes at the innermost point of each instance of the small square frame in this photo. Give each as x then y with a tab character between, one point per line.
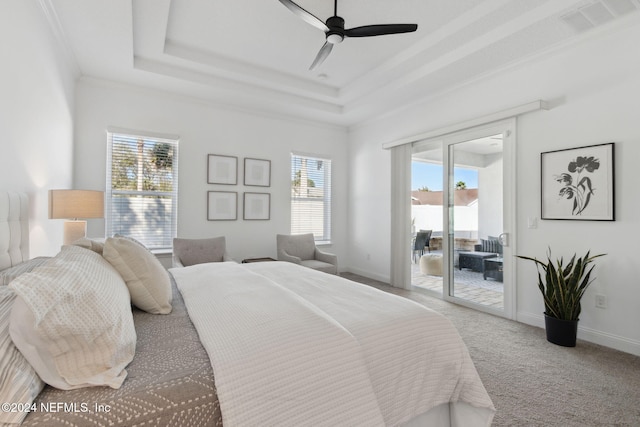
257	206
222	169
257	172
578	183
222	205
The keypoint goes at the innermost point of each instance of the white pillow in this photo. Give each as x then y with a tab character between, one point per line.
146	278
19	383
95	245
73	321
6	276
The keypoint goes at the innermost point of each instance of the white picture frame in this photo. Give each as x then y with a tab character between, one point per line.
257	172
222	169
257	206
222	205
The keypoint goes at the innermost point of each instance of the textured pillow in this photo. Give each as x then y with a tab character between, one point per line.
491	245
199	251
6	276
19	382
146	278
72	321
120	236
95	245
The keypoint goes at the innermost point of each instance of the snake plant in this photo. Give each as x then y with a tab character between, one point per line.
563	286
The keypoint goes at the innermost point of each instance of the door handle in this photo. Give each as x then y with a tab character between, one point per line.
504	239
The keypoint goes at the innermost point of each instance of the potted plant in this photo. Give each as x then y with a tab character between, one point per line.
562	288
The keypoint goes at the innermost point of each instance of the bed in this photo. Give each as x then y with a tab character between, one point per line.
353	355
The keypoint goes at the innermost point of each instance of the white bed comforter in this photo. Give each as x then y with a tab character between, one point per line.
293	346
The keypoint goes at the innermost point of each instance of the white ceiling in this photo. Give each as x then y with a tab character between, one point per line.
256	53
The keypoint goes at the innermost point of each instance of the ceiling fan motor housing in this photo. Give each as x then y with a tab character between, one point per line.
336	29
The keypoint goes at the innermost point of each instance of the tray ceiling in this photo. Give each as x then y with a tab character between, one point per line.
256	53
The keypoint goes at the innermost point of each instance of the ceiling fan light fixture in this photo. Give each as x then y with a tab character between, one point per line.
335	38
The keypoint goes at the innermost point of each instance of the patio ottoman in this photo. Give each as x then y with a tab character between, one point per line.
431	264
474	260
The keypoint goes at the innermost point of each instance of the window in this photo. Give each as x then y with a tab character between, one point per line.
142	188
311	197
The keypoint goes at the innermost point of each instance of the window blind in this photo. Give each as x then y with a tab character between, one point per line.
311	197
142	189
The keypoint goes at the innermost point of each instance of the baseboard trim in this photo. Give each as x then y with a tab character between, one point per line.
588	334
369	275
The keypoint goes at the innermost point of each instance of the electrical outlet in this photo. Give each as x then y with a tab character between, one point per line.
601	301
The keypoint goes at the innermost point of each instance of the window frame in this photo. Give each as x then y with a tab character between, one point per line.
173	195
326	237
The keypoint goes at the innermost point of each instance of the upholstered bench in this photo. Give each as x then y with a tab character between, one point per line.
474	260
431	264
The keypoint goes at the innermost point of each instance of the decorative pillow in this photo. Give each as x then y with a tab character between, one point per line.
95	245
72	321
199	251
19	383
6	276
498	244
491	245
120	236
146	278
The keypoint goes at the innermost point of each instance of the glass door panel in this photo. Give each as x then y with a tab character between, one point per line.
476	206
427	217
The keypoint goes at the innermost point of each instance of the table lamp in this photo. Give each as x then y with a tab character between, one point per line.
72	205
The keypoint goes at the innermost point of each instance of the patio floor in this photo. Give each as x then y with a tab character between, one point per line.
469	285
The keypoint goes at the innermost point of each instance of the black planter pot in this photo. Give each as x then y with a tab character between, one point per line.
561	332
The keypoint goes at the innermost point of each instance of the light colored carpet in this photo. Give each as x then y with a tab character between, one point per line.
535	383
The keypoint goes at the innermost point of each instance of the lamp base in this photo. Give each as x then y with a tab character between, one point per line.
74	230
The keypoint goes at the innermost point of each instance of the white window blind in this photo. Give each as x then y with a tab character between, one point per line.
311	197
142	188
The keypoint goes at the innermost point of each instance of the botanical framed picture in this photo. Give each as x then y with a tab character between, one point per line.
257	206
257	172
222	169
222	205
578	183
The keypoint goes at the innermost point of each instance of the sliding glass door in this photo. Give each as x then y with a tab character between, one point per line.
471	238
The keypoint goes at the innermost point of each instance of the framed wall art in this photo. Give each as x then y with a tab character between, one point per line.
222	205
222	169
578	183
257	172
257	206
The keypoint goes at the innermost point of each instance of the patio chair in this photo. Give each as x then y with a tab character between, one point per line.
421	241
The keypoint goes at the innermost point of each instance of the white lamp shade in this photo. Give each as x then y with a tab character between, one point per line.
73	204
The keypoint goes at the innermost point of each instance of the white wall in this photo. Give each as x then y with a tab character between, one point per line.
594	87
36	116
210	129
490	197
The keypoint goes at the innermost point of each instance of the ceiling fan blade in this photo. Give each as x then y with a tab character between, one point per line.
380	30
322	55
304	15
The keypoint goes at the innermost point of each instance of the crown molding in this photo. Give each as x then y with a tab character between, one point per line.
51	16
222	85
242	71
208	102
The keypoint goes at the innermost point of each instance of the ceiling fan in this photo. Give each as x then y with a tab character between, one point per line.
335	31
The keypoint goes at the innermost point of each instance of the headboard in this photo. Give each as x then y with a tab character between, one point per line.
14	228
